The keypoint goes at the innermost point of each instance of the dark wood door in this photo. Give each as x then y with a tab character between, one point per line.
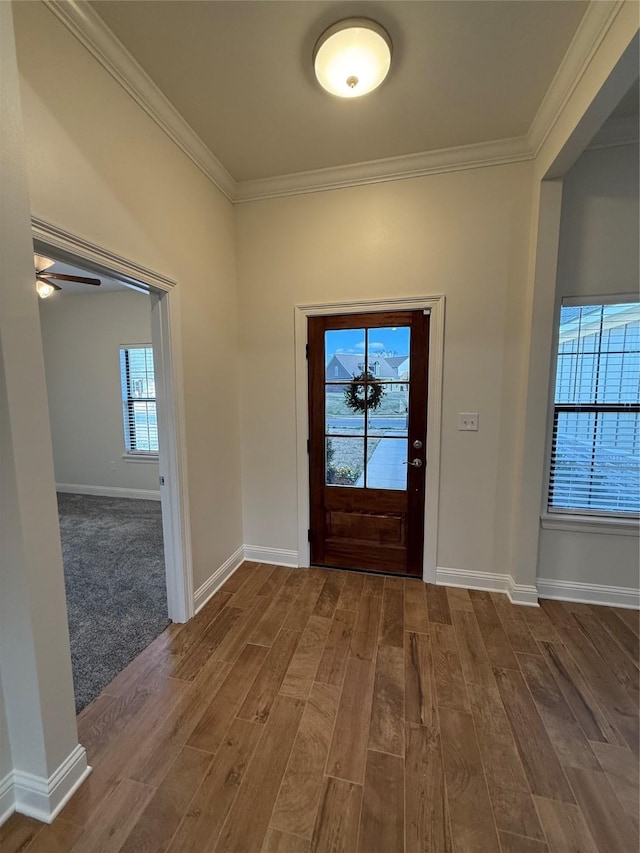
368	419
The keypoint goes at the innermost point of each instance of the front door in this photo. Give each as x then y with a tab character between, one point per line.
367	439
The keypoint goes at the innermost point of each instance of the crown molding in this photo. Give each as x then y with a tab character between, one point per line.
494	153
593	28
92	32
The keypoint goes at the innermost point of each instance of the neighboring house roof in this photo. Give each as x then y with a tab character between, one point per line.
396	360
353	364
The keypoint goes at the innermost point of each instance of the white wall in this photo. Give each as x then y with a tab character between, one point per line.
100	168
564	127
598	255
463	234
599	227
81	337
34	638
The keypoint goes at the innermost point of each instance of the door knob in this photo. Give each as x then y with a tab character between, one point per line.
417	463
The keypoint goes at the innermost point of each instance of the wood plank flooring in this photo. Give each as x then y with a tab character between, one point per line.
316	711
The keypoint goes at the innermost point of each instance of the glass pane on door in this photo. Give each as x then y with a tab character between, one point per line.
388	353
340	417
344	462
386	463
391	415
366	404
344	354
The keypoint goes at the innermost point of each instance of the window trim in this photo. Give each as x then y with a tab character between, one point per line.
141	456
587	523
562	518
133	455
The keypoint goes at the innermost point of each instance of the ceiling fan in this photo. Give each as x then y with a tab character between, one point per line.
44	284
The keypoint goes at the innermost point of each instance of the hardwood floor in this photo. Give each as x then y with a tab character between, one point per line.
316	711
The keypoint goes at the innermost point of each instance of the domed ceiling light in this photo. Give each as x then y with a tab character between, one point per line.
352	57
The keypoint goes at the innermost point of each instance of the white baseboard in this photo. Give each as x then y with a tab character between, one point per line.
520	593
589	593
7	799
43	799
108	491
276	556
215	581
489	581
523	594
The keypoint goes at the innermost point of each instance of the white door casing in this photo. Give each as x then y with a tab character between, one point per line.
435	305
167	348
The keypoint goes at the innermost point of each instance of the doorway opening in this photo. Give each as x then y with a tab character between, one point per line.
367	436
351	473
111	355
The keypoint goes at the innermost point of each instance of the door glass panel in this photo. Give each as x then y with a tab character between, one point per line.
386	463
388	353
341	417
391	416
344	462
366	407
344	355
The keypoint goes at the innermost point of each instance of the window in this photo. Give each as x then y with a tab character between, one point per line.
139	399
595	455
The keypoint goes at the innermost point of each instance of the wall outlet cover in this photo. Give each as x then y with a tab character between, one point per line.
468	421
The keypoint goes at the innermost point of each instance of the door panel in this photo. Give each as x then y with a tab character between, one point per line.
367	416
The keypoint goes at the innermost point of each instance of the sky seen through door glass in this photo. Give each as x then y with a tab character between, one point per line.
385	341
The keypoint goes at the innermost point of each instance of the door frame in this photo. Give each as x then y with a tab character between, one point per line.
166	340
435	305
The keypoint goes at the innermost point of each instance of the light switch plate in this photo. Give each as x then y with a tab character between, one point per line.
468	421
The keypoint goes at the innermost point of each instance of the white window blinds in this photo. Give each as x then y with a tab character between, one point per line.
595	456
139	399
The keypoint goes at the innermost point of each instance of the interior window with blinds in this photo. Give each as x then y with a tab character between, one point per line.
595	456
139	399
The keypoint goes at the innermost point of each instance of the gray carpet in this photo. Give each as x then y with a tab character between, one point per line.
115	579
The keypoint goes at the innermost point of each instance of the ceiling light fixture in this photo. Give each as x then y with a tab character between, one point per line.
352	57
45	289
45	286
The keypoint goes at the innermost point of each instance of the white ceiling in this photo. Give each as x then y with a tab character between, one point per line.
240	73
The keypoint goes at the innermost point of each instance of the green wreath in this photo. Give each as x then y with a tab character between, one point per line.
355	394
